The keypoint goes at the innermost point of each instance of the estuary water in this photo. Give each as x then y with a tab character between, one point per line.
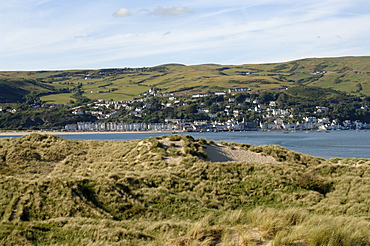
330	144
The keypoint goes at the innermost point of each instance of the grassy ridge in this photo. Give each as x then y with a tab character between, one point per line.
343	73
164	190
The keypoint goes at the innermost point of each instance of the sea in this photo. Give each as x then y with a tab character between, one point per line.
324	144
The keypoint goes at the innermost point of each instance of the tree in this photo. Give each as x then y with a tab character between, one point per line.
266	97
240	98
359	87
214	108
31	98
282	99
191	109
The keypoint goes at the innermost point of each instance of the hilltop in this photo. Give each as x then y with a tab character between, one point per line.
347	74
177	190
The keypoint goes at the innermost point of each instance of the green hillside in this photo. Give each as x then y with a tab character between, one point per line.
166	191
15	90
349	74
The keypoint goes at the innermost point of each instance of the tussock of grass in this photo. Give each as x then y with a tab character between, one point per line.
272	221
325	230
282	154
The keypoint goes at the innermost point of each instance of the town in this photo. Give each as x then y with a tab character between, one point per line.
175	125
232	110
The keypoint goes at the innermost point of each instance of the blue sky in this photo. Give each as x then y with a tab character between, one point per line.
88	34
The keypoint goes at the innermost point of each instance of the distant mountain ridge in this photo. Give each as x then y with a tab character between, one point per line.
348	74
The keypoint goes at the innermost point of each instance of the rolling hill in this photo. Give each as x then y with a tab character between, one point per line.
171	191
348	74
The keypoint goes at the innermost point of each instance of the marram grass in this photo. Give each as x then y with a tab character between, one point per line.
165	191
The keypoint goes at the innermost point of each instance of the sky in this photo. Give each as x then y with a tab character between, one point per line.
93	34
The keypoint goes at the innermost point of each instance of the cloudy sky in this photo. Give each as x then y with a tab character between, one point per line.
86	34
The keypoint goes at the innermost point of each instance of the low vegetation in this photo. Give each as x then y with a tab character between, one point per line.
166	191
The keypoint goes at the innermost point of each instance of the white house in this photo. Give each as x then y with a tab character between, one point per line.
199	95
77	112
323	120
310	119
279	122
280	112
320	109
267	125
289	125
203	110
237	113
238	90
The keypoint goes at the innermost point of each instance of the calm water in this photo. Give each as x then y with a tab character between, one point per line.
343	144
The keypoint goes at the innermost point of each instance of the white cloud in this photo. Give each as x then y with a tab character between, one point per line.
122	12
162	11
42	2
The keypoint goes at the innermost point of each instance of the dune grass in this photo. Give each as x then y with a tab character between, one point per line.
165	191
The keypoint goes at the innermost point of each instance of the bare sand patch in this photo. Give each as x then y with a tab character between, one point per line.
225	153
175	145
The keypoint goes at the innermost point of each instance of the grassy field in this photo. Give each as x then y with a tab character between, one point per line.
343	73
62	98
165	191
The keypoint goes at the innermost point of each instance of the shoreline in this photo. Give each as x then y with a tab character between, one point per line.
23	133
